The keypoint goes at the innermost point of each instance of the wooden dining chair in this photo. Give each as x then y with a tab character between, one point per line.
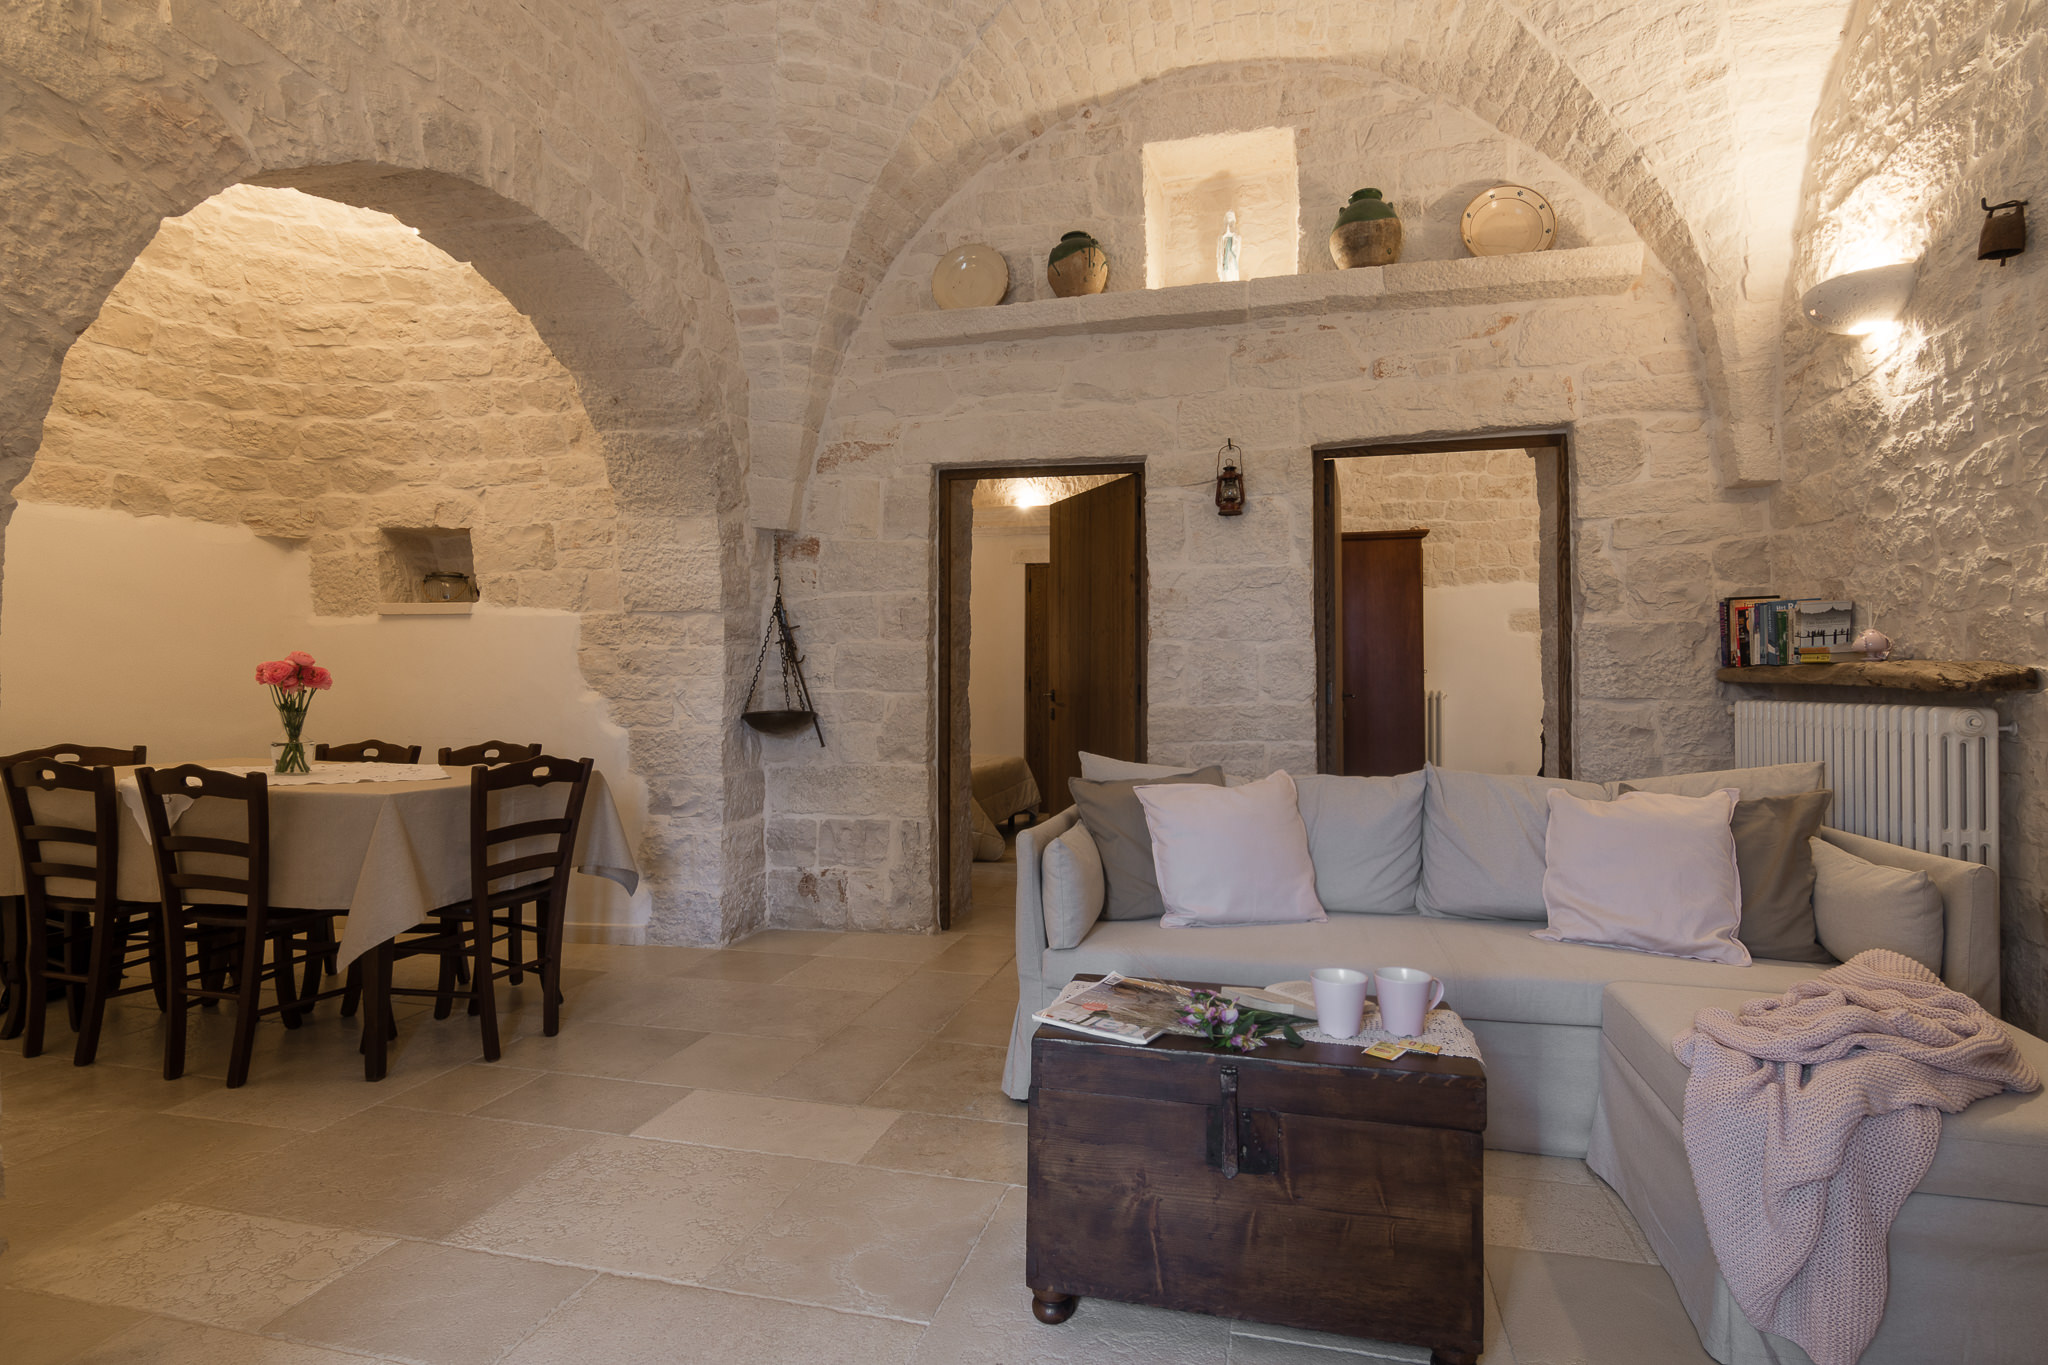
490	752
220	939
537	868
368	751
14	909
76	932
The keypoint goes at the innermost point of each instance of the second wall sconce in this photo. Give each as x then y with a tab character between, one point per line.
1860	302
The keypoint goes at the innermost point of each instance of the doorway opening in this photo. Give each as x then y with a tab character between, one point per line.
1041	648
1443	614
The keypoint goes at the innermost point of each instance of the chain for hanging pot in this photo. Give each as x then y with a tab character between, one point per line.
796	711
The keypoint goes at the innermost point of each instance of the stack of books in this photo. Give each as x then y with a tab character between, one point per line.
1764	631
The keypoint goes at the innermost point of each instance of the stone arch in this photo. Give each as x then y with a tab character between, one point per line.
511	142
1028	73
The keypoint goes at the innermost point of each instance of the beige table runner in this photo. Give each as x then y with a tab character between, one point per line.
387	853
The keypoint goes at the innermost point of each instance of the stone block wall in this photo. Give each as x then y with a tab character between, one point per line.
317	371
1231	653
1915	461
1479	505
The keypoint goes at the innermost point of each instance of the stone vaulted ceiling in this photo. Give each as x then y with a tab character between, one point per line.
819	134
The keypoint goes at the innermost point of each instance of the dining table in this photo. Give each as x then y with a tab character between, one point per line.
383	843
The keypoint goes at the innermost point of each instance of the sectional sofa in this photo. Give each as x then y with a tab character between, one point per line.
1577	1039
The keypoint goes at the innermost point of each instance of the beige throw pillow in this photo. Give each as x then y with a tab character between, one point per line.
1071	887
1859	905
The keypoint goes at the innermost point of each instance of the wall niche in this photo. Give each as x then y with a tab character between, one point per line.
1191	183
424	571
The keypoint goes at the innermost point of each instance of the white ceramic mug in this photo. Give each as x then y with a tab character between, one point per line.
1407	995
1340	1000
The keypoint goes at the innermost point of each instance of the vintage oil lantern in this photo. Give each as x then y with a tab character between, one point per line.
1229	480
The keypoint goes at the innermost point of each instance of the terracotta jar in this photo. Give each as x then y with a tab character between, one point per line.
1078	265
1367	232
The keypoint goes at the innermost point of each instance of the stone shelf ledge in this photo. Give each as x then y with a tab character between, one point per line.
426	608
1904	675
1420	284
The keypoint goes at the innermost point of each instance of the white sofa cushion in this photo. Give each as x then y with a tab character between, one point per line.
1365	836
1482	843
1859	905
1778	779
1230	855
1646	871
1074	889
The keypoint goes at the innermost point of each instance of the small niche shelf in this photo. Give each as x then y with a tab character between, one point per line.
1901	675
1583	271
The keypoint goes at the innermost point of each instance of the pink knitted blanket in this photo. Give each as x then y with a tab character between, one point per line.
1800	1172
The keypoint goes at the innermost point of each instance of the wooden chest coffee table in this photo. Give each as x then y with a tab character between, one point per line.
1311	1187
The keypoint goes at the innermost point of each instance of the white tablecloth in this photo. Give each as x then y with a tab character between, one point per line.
386	853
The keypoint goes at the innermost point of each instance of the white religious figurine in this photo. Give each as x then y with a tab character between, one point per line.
1227	248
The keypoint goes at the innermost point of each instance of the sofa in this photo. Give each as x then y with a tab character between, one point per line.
1577	1042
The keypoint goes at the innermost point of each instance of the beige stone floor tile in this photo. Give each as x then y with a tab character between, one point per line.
862	975
763	1009
595	1103
848	1067
925	1001
744	967
638	1207
406	1172
47	1088
987	1022
325	1084
1527	1166
1499	1348
641	1322
978	955
1002	986
761	1123
165	1341
202	1264
653	959
986	1317
894	947
938	1144
461	1090
786	941
1250	1346
732	1061
132	1164
43	1329
964	1079
436	1304
1539	1215
866	1240
620	1051
1577	1310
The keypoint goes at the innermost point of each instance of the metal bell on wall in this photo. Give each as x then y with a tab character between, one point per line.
2005	234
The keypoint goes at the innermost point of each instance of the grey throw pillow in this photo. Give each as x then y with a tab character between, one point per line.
1858	905
1482	843
1779	779
1365	838
1116	822
1070	887
1775	864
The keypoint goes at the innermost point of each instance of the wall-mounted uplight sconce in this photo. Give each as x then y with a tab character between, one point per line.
1229	480
2005	234
1860	302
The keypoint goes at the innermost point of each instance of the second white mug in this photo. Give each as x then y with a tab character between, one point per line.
1407	995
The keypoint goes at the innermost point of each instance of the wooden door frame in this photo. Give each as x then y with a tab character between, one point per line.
954	544
1328	534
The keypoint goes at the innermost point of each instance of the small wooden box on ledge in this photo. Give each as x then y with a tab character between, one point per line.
1903	675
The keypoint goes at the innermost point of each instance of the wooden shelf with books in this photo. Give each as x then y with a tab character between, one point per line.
1903	675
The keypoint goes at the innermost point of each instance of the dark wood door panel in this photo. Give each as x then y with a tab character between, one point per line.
1093	632
1382	669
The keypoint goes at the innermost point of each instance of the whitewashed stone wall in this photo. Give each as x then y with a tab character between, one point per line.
1231	648
315	371
1479	505
516	138
1914	462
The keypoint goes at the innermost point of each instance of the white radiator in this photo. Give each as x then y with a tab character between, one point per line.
1922	776
1433	727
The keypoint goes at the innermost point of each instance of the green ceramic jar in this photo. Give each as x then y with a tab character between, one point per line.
1077	265
1368	232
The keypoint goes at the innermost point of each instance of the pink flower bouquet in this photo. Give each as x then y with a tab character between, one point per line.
292	681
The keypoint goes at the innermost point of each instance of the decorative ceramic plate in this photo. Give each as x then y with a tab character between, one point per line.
1508	220
974	276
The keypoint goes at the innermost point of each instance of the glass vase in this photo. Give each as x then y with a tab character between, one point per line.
288	755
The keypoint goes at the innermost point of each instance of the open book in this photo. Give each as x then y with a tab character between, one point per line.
1119	1009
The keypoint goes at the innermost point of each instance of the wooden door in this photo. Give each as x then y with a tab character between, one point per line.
1093	633
1036	740
1381	613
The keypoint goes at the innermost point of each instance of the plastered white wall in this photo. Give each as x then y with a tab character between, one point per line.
1490	672
995	678
117	629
